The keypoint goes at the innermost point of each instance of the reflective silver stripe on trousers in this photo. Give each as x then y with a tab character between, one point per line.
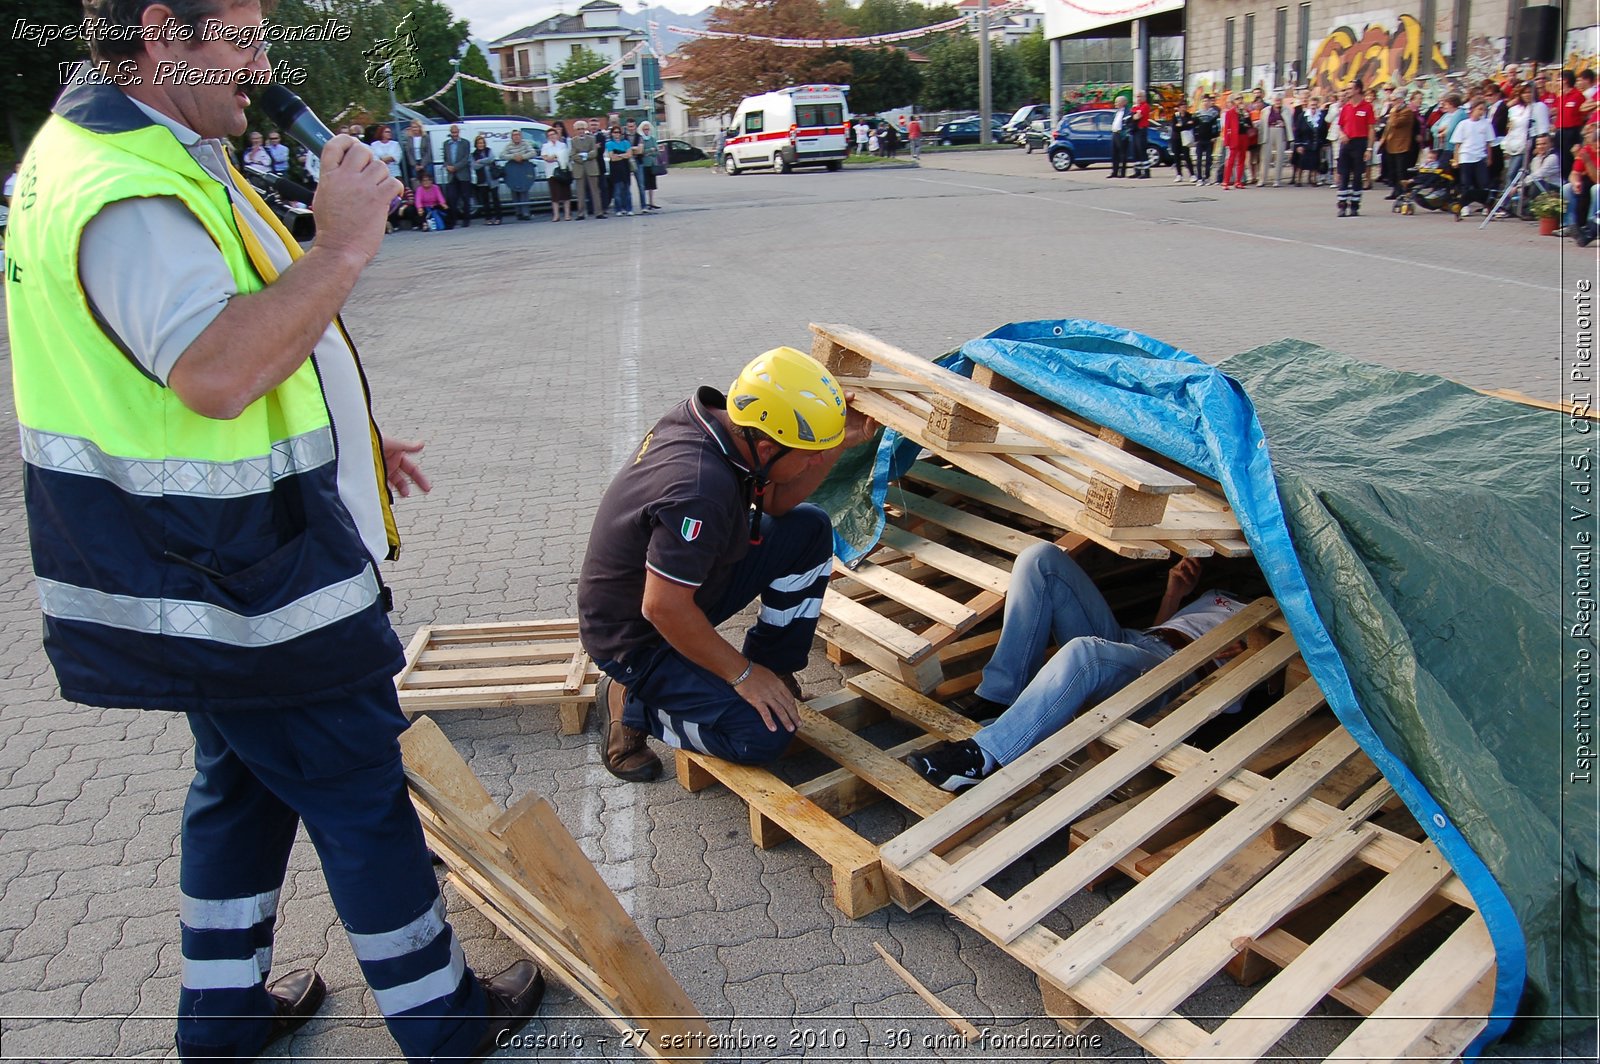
413	936
179	476
239	973
431	987
201	620
801	581
811	607
226	914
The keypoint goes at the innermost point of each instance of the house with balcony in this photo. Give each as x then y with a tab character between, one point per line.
529	57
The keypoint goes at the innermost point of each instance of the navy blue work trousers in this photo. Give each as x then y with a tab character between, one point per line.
688	707
334	765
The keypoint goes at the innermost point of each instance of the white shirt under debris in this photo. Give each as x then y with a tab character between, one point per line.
158	281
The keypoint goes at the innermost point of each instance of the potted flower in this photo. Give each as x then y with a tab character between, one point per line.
1548	208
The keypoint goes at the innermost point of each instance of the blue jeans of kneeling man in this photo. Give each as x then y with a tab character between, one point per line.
688	707
1053	600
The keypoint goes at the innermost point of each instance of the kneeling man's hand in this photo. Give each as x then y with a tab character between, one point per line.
763	690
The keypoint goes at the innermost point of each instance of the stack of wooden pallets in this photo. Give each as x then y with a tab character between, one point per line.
1276	851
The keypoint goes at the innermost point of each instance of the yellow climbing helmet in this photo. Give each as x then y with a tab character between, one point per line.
790	397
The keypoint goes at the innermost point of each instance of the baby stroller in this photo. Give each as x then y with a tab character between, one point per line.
1432	188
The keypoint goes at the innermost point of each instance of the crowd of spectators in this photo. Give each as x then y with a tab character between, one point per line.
589	174
1530	136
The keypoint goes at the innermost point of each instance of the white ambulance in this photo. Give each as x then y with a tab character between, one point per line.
801	126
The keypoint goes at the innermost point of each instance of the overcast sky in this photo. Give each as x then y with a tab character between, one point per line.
496	18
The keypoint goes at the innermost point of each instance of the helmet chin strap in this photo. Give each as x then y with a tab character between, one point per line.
759	473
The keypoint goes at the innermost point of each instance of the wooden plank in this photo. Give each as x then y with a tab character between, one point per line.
495	697
1569	407
858	882
971	526
414	651
1090	787
523	654
1090	860
910	593
870	625
1183	525
895	779
968	486
921	838
502	631
913	707
1266	1017
924	674
1115	464
466	677
1183	971
977	573
969	1033
1119	923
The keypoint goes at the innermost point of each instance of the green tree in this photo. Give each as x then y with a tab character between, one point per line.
35	80
950	80
480	99
721	72
594	97
438	36
1033	55
881	79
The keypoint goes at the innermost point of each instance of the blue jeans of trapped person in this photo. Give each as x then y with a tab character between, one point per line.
1053	600
688	707
334	766
621	189
1572	198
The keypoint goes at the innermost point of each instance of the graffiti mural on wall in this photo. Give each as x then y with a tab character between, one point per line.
1583	49
1377	55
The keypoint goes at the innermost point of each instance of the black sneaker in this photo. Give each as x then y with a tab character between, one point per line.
950	766
975	707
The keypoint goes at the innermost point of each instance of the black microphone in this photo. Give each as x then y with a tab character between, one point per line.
290	114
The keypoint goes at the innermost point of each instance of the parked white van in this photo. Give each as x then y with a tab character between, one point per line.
800	126
496	132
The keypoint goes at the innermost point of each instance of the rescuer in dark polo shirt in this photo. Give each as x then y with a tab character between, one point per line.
708	515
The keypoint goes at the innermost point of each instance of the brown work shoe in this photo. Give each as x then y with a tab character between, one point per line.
793	684
626	753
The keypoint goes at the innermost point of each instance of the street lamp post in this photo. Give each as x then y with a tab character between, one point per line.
461	108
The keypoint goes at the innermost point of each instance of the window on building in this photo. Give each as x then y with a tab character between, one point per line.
1458	39
1227	54
1305	43
1249	51
630	92
1166	61
576	48
1097	61
508	66
522	62
1280	33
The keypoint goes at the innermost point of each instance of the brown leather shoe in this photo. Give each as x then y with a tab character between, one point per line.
297	996
513	996
793	684
626	753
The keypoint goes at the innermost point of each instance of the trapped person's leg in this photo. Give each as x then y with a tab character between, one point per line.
1083	672
1051	599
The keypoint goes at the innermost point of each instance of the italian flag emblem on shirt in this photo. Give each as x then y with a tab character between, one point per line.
691	529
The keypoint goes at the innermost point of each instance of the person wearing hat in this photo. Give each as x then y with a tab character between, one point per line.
708	514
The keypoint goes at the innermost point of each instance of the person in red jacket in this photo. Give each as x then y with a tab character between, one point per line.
1141	135
1355	127
1236	142
1567	116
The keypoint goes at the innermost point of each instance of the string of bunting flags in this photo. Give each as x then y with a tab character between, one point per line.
841	42
615	64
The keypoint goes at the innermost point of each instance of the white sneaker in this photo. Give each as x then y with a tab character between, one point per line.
1178	180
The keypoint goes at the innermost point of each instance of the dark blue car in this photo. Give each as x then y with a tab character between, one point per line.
1085	137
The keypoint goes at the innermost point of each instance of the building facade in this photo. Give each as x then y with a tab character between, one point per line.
530	57
1328	44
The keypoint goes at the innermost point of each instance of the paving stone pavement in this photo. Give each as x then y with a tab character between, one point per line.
532	359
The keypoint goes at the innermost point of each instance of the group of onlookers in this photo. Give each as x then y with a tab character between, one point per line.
589	174
1533	135
875	136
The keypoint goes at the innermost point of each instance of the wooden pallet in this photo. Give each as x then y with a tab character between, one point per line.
941	568
524	871
483	666
812	812
1283	821
1079	477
